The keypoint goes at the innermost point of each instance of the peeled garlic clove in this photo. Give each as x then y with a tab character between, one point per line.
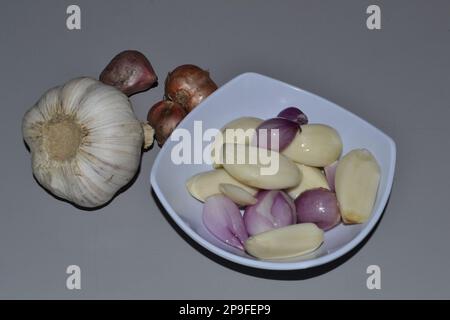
311	178
237	194
356	182
286	242
206	184
240	131
260	168
223	219
244	130
85	141
274	209
317	145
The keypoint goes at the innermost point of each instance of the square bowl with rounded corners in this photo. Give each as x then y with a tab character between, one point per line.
251	94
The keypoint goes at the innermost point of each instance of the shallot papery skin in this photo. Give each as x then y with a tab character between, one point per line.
222	218
130	72
318	206
189	85
275	134
294	114
274	209
164	116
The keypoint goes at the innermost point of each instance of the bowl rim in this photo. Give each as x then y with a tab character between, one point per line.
274	265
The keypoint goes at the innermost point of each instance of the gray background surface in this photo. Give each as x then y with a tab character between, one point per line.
397	78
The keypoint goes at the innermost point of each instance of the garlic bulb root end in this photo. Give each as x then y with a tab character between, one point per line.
62	138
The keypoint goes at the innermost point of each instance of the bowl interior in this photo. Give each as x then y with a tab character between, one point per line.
255	95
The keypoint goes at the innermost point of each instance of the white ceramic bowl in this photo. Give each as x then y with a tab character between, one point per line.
251	94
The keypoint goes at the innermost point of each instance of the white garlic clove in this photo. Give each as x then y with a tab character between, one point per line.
237	194
317	145
240	131
312	178
356	183
286	242
260	168
206	184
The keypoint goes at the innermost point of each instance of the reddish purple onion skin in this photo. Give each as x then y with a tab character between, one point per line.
189	85
222	218
294	114
274	209
318	206
330	172
275	134
130	72
164	116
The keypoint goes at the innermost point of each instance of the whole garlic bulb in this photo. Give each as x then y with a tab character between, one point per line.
85	141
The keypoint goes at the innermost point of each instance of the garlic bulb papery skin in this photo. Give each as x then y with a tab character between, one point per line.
85	141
